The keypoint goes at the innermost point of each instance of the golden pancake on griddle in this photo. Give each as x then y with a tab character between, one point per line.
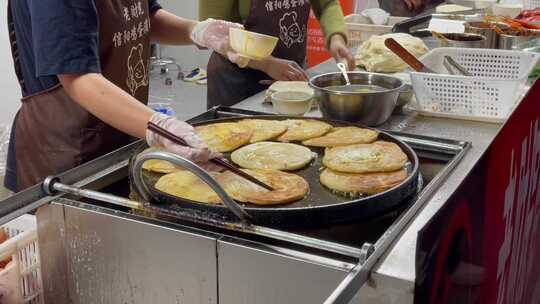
273	155
380	156
361	183
225	137
288	187
264	129
343	136
186	185
158	165
303	129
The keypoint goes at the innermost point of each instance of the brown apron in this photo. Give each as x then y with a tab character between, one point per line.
52	132
227	83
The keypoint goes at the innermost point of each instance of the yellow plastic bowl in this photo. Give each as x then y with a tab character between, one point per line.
252	45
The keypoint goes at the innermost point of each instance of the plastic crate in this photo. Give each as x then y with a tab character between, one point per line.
499	79
360	28
531	4
20	281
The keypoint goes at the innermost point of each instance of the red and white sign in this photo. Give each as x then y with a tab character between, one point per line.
316	44
494	251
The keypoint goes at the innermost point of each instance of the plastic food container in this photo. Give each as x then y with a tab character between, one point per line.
292	102
20	281
360	28
252	45
500	78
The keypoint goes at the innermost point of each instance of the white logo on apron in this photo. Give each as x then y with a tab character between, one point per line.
137	73
290	31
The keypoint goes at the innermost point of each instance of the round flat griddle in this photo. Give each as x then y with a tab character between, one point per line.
320	207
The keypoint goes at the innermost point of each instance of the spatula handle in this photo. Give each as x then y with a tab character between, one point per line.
409	58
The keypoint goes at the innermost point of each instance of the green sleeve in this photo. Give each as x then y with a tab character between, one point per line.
330	15
217	9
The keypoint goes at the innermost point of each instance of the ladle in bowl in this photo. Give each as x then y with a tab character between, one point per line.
343	69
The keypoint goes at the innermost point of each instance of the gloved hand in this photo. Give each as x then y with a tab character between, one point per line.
198	151
214	34
340	51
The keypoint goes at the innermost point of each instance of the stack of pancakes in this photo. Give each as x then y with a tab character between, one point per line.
356	163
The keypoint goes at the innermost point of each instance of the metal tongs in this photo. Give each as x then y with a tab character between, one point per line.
450	64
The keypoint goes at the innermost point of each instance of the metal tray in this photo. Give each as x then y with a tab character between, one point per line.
320	207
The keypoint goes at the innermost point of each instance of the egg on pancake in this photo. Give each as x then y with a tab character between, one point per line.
186	185
361	183
225	137
303	129
343	136
159	166
264	129
273	155
288	187
380	156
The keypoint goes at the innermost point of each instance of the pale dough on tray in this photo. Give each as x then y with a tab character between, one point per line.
302	129
343	136
380	156
264	129
225	137
273	155
362	183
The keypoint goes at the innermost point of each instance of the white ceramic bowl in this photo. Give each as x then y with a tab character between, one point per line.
250	44
507	10
292	102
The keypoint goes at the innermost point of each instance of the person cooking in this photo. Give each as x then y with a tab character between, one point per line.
408	8
83	71
286	19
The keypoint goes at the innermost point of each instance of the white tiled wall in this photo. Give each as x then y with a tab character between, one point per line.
188	57
10	93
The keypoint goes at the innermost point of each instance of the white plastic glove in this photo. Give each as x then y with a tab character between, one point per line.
214	34
198	151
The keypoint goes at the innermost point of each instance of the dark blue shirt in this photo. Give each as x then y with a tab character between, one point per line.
57	37
54	37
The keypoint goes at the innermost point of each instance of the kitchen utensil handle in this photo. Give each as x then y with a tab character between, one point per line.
409	58
143	191
458	66
220	162
406	25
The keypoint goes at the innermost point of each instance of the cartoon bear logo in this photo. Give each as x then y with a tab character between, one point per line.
137	74
290	31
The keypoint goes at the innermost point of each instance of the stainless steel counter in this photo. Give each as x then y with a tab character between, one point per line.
396	270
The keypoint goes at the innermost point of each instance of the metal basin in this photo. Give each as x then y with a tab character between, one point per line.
461	40
367	108
513	41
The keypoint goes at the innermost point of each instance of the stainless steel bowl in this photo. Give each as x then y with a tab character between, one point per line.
461	40
370	109
486	30
513	41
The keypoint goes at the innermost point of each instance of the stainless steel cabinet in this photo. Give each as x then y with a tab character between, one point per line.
90	257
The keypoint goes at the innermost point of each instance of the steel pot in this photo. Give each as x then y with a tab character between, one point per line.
460	40
512	42
367	108
486	29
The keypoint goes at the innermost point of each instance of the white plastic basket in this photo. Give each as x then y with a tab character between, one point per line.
20	281
360	28
531	4
499	79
